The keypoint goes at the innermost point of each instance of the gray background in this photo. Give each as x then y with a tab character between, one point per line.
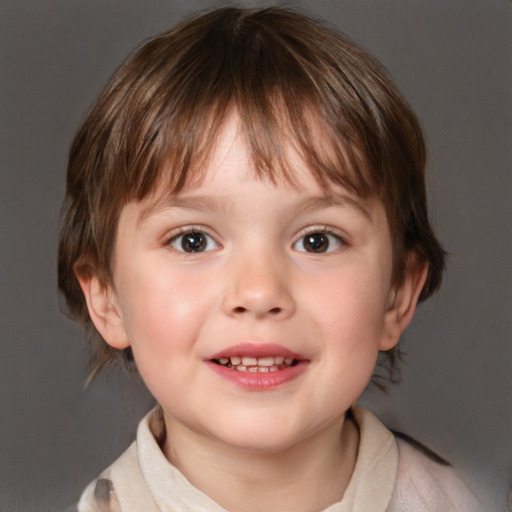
453	61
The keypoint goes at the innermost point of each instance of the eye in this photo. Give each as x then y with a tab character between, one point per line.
320	242
193	241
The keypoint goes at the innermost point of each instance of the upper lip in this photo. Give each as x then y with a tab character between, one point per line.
256	350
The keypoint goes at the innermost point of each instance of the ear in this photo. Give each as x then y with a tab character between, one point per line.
103	308
402	303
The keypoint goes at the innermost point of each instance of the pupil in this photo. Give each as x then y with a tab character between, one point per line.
193	242
317	242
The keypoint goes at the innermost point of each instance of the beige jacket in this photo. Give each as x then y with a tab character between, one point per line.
390	476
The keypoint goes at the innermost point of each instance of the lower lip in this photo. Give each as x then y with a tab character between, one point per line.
259	381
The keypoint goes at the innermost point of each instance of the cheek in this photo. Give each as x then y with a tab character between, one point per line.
349	309
164	314
351	326
163	309
353	292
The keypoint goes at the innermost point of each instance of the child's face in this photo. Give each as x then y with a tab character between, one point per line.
278	272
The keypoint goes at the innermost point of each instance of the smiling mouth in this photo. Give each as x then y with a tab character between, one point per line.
256	364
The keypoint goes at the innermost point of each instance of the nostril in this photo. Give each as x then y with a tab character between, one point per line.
241	309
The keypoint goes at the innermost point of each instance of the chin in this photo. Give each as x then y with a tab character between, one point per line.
260	436
262	445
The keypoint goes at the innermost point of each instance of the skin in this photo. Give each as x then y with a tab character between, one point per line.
256	281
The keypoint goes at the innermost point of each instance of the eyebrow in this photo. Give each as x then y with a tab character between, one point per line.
333	200
192	203
207	203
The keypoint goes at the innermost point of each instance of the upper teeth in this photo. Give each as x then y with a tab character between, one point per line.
251	364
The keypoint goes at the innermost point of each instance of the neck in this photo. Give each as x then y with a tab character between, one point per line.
309	476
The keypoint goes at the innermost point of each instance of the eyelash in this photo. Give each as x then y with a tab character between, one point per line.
190	230
329	234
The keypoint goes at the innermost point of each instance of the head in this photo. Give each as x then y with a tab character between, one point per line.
293	85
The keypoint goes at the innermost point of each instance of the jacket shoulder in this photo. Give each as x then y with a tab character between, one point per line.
425	483
119	488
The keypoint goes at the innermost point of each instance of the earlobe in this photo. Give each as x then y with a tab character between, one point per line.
103	310
402	302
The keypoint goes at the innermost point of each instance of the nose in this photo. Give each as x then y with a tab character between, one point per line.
259	286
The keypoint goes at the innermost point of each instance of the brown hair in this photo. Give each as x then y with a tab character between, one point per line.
289	78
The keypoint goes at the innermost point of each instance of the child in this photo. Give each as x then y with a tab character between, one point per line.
246	221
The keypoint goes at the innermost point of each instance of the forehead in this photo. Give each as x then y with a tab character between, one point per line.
231	162
282	157
229	179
